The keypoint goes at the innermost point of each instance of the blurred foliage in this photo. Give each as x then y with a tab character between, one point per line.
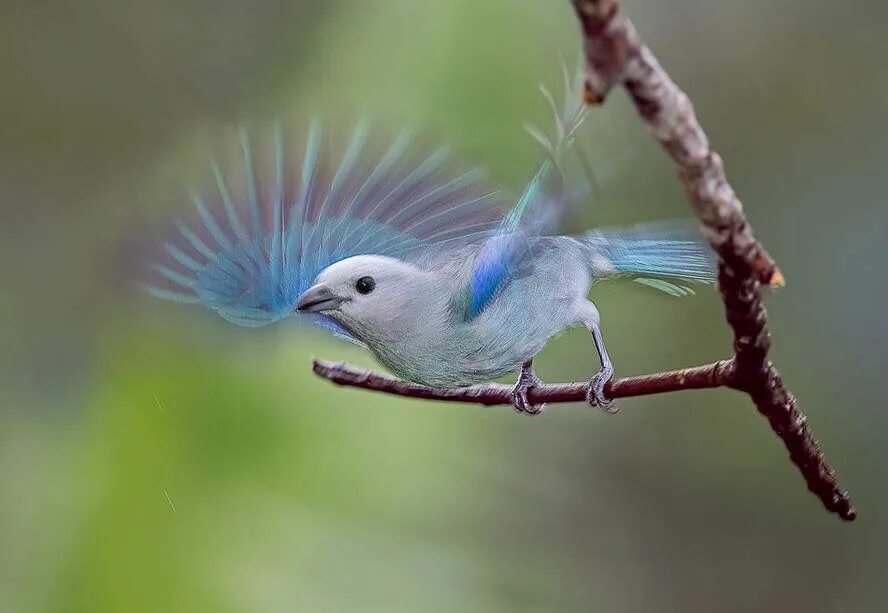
153	458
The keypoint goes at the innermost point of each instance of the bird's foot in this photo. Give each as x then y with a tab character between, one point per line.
526	381
595	395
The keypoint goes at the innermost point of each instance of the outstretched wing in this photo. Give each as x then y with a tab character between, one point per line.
257	248
538	211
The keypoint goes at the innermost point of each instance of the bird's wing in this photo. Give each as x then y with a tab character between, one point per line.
539	209
256	248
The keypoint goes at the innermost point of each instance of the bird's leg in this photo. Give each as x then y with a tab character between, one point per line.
595	394
526	380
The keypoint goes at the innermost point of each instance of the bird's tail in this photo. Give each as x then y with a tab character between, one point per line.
657	255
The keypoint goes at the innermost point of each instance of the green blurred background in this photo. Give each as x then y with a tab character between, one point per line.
154	458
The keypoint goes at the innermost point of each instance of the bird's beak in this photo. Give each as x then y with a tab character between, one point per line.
317	299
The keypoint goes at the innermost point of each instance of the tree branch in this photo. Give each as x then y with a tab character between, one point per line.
717	374
614	53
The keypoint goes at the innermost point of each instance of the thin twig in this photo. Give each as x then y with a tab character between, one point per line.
614	53
717	374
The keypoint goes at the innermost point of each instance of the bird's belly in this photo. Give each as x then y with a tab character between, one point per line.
474	354
503	338
445	366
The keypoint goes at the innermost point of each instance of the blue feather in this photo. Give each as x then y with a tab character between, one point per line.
210	224
491	268
655	249
233	220
252	188
193	240
278	230
299	209
253	273
170	295
183	258
536	211
174	276
503	253
342	175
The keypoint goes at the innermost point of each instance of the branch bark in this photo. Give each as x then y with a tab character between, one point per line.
615	54
716	374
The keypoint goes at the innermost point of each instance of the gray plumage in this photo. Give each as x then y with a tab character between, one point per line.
414	319
417	264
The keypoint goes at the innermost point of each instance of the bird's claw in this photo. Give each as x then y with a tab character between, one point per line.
519	395
523	405
595	395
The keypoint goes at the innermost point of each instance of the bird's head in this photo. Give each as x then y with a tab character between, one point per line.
370	295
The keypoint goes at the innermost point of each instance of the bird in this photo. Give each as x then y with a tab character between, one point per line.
419	264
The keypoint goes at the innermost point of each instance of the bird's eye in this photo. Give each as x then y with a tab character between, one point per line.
365	285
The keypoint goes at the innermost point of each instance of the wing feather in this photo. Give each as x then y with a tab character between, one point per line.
258	243
536	211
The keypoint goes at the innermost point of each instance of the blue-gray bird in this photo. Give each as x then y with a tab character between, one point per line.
414	263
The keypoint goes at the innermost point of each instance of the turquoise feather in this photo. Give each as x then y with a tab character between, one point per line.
249	256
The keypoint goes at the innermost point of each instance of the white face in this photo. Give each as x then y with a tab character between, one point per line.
368	294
